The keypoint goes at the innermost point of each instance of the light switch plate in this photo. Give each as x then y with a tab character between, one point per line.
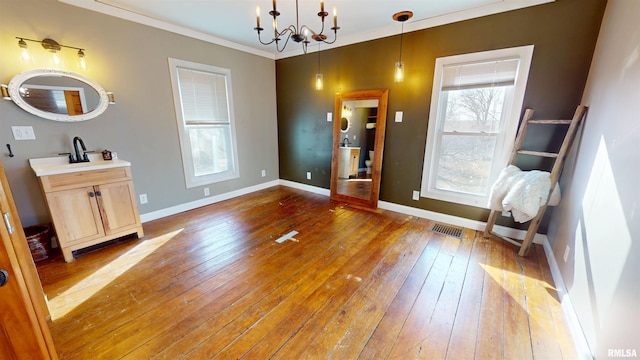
398	116
329	116
23	133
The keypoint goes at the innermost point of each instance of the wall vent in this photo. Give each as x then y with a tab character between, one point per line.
447	230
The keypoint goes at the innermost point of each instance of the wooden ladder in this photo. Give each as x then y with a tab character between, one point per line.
559	158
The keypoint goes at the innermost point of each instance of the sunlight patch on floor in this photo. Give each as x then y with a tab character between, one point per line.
73	297
532	303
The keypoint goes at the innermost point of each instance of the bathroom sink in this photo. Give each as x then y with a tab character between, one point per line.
60	165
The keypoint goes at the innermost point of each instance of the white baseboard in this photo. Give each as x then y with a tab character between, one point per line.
203	202
579	338
459	221
305	187
403	209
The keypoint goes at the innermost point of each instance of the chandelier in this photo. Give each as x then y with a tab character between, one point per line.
299	34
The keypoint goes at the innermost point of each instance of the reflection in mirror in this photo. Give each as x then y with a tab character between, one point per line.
58	95
357	149
357	153
344	124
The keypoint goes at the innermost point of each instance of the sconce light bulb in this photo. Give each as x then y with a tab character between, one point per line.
399	72
25	52
83	62
319	84
56	59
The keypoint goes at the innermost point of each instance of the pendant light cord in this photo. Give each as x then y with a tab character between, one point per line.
401	36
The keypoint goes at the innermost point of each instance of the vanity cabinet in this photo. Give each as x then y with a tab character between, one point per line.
91	207
348	162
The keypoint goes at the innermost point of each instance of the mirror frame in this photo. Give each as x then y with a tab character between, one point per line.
382	95
348	124
18	80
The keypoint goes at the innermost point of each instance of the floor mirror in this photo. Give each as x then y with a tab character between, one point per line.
358	146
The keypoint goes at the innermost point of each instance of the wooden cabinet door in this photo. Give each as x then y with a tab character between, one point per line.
118	207
24	333
76	215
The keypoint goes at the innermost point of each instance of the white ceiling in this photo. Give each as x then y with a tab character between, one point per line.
231	22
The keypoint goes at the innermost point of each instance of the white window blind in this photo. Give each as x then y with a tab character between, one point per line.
204	97
479	75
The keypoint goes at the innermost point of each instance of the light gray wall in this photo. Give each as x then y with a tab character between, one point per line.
598	218
131	60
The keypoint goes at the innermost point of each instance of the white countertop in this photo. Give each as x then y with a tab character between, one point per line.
60	164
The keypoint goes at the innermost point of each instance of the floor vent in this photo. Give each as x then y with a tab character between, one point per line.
447	230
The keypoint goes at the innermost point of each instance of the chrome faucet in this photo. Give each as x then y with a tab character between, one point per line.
345	142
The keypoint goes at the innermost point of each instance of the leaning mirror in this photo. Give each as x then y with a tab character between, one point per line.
356	160
58	95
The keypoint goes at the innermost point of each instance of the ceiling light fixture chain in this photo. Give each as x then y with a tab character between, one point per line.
299	34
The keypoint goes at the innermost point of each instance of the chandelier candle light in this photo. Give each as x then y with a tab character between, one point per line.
296	32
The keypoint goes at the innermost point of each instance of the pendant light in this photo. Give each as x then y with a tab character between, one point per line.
319	84
400	17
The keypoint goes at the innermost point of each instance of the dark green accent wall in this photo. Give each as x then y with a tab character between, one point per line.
564	34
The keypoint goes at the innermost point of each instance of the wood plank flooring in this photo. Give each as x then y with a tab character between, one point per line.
212	283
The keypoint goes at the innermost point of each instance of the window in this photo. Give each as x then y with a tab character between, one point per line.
204	111
475	109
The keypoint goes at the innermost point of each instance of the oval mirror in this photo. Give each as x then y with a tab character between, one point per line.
345	124
58	95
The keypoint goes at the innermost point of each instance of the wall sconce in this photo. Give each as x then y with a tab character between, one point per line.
53	47
400	17
4	91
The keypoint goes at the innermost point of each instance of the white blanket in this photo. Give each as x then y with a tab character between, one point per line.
522	192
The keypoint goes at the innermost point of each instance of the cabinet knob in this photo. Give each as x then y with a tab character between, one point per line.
98	193
91	194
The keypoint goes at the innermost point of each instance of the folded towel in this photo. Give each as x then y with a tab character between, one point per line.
521	192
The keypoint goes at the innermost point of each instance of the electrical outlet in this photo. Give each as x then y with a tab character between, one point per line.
308	175
23	133
567	250
264	173
416	195
206	191
143	199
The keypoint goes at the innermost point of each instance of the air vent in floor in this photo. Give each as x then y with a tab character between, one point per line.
447	230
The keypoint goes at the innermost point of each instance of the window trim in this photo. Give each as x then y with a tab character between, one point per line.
191	180
504	142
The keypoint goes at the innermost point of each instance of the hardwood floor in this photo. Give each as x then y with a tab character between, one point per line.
214	283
